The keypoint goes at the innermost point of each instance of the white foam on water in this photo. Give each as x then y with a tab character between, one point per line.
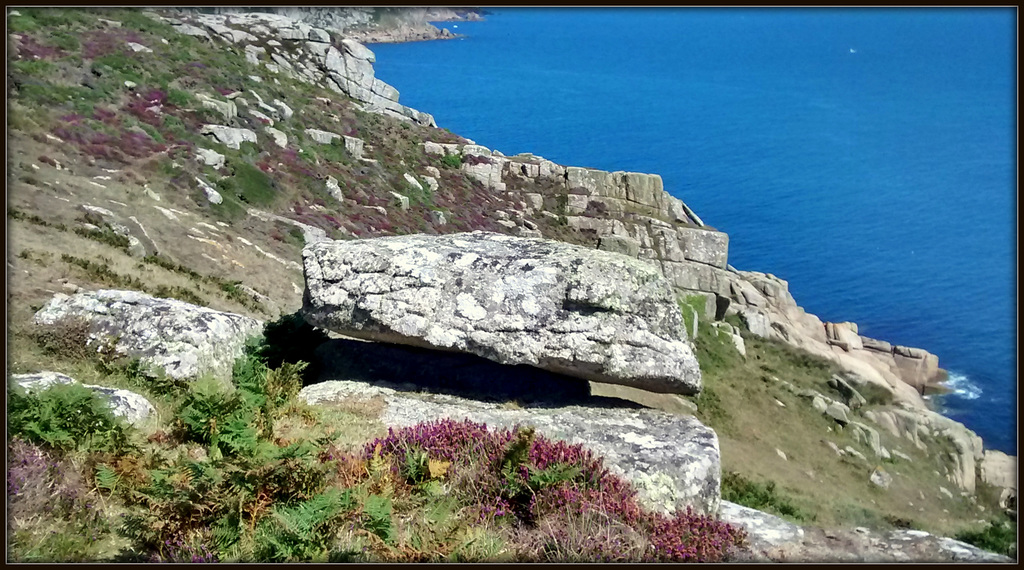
962	386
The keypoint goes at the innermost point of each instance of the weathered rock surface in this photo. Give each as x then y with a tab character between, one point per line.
923	426
134	408
590	314
853	546
763	530
229	136
184	340
672	461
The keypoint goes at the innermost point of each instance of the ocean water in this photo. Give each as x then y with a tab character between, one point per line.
866	155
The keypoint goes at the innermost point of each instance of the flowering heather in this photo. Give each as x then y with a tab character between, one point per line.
178	551
474	159
101	43
584	486
29	48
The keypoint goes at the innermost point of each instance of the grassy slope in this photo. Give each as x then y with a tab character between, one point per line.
98	123
741	401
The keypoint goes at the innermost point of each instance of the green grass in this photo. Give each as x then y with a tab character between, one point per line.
761	496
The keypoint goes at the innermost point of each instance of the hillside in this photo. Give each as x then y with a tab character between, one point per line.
192	156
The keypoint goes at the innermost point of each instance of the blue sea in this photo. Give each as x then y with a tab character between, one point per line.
865	155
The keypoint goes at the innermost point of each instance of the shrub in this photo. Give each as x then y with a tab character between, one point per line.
106	235
66	338
451	161
999	537
65	417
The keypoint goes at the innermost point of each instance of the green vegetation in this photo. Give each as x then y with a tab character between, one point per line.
453	161
760	496
65	417
996	536
227	480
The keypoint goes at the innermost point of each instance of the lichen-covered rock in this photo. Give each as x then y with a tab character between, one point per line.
184	340
672	461
589	314
134	408
763	530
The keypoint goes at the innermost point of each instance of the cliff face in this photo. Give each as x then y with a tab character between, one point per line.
370	25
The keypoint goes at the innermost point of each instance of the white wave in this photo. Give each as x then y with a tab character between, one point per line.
962	386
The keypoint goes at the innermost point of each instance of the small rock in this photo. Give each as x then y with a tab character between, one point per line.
139	47
781	454
400	201
881	478
130	85
280	139
334	189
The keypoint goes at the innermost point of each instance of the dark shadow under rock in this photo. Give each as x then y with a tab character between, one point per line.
412	369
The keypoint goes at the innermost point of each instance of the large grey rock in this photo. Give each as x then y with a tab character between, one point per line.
184	340
672	461
590	314
134	408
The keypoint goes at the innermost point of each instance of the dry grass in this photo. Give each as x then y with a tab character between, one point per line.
832	491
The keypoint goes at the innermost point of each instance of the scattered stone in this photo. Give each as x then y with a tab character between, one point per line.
848	450
210	157
946	492
212	195
413	182
322	137
227	109
438	218
559	307
781	454
838	412
134	408
130	85
850	395
229	136
139	47
400	200
286	111
334	189
280	139
355	147
881	478
261	117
